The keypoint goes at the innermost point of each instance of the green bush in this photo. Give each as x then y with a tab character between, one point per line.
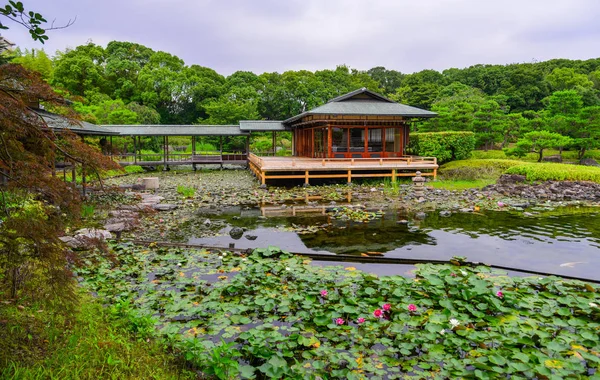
134	169
445	146
187	192
556	172
202	147
262	144
475	169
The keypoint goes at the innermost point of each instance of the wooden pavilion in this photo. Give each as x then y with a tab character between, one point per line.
360	134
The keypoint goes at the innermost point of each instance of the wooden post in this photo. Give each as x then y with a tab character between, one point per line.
262	178
111	147
306	177
134	149
193	152
393	175
73	174
349	176
164	153
83	179
247	147
329	142
274	143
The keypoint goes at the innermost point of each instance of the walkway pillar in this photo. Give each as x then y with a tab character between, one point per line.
193	152
134	149
274	141
164	153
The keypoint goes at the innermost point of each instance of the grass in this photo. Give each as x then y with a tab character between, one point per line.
43	341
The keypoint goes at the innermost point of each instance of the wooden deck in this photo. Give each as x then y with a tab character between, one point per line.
266	168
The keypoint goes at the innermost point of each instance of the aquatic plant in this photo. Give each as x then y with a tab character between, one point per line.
449	322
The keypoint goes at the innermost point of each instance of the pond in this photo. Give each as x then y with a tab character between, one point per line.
565	242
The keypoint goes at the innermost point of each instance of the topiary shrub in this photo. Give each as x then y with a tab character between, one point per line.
445	146
556	172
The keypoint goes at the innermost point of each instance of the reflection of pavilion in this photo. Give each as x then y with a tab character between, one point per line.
384	235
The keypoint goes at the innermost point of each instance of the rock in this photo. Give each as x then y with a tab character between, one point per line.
93	233
251	237
445	213
115	227
164	207
122	214
236	233
150	183
527	214
554	158
403	221
420	215
511	178
262	217
207	222
466	210
589	162
86	238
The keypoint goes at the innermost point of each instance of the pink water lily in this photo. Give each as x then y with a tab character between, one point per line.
500	204
378	313
361	320
412	307
339	321
499	294
387	307
323	293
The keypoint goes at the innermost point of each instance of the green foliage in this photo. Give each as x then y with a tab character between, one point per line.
446	146
47	341
556	172
87	210
475	169
35	60
33	21
285	318
130	169
536	142
185	191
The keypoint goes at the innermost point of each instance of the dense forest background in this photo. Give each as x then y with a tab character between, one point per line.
127	83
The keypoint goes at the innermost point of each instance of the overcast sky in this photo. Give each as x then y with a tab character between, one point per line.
280	35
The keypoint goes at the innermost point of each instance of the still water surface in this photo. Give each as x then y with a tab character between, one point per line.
567	244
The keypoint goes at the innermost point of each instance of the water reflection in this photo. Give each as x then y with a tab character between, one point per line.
541	243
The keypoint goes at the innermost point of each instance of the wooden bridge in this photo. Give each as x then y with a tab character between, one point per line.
171	159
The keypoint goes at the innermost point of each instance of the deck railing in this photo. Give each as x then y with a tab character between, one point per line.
180	157
259	161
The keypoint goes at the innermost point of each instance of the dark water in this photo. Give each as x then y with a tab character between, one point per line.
565	242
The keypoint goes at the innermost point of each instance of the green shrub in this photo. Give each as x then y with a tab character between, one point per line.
202	147
262	144
445	146
134	169
490	155
475	169
149	155
283	153
187	192
556	172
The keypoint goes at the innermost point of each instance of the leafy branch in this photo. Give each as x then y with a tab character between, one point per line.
33	21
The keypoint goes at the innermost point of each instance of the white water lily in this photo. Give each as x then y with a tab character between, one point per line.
442	332
454	322
463	272
288	268
593	304
244	259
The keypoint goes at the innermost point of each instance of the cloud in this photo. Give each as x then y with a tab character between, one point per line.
275	35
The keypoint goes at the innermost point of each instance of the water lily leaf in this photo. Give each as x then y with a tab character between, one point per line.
322	320
497	359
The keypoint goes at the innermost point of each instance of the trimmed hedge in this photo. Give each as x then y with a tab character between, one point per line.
445	146
474	169
556	172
